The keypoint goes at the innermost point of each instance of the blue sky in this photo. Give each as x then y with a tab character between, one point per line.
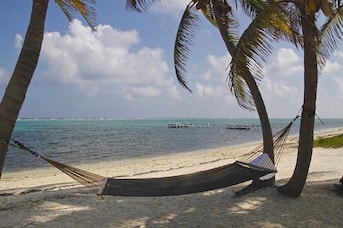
125	68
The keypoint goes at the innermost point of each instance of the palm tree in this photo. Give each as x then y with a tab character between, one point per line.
275	21
14	95
318	45
241	80
253	42
244	88
302	18
218	13
301	29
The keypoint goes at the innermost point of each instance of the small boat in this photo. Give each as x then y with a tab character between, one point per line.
237	127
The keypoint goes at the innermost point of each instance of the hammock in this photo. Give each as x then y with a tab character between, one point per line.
221	177
257	166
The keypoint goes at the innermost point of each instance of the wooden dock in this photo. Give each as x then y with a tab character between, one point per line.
237	127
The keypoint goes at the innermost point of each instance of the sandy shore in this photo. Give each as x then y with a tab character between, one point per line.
49	198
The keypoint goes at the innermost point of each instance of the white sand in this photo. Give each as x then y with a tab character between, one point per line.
48	198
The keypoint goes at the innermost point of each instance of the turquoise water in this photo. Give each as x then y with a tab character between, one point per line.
91	140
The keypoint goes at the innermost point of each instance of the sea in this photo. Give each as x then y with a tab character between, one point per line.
85	140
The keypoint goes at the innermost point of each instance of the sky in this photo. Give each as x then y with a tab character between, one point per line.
125	68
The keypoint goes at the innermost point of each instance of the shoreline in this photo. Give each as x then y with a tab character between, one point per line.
48	198
152	166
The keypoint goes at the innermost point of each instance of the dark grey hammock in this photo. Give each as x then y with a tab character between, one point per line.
221	177
257	166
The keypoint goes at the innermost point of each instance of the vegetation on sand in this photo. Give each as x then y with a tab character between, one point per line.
329	142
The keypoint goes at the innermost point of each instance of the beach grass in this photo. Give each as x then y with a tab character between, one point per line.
329	142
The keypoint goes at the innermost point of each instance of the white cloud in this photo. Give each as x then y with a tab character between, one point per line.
88	59
18	41
218	67
338	53
213	85
285	56
276	89
171	7
4	76
203	90
133	93
331	67
339	82
285	63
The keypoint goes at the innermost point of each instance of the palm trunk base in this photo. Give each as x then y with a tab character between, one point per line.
263	183
339	187
290	190
255	185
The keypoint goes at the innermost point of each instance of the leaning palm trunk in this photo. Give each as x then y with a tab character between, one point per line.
261	110
256	95
15	92
296	184
264	120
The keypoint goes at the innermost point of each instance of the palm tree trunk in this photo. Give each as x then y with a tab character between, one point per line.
258	100
264	119
259	104
16	89
297	182
255	92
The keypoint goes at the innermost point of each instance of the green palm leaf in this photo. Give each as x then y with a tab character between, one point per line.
284	24
250	53
270	22
84	7
224	19
184	38
331	33
228	26
139	5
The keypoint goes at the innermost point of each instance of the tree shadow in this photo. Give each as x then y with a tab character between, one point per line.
79	207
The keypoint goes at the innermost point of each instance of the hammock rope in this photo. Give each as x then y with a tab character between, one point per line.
256	165
83	177
279	140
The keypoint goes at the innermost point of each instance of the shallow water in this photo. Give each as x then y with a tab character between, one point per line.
90	140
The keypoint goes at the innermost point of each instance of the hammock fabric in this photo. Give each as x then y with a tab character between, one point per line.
221	177
258	166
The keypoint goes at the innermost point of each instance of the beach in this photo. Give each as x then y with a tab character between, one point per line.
45	197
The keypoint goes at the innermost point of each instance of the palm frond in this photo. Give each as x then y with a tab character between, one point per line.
228	27
326	7
139	5
294	17
284	25
225	21
251	7
84	7
254	46
184	38
251	52
240	89
331	34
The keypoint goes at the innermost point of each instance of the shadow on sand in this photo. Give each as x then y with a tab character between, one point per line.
318	206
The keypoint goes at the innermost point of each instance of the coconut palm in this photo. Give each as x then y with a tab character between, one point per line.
14	95
241	80
245	70
319	43
244	88
294	21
